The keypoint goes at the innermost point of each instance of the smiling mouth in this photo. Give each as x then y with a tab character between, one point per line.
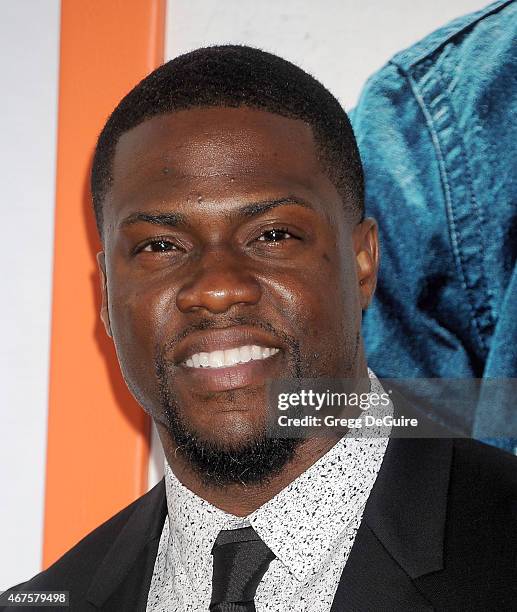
229	357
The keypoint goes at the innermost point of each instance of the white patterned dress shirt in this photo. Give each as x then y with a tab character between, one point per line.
310	526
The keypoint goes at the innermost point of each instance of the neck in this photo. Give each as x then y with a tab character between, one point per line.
239	499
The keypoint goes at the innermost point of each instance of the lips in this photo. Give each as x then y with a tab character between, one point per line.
227	338
228	358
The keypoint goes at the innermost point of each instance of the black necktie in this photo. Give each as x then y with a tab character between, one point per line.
240	561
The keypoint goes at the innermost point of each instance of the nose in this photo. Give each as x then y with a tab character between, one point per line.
219	284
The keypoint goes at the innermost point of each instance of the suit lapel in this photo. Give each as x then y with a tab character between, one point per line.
408	504
123	579
401	536
373	580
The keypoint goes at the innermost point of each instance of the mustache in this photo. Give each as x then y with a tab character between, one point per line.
229	322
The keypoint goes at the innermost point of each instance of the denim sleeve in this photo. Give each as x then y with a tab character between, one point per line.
436	129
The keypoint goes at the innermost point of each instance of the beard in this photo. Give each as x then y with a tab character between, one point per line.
259	458
252	462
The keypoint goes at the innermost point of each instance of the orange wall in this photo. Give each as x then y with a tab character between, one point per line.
98	437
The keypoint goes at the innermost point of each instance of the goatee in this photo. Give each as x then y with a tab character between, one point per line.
254	462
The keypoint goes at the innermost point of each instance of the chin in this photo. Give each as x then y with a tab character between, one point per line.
228	448
229	429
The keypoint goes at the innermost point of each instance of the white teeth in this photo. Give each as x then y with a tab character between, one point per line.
245	352
229	357
256	352
216	359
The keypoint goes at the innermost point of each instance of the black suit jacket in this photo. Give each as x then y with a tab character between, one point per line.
438	533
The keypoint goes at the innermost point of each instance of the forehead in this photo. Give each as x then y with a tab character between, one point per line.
209	151
204	141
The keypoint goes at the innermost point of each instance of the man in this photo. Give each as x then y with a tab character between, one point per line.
228	192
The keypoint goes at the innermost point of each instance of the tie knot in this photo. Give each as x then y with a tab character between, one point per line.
241	559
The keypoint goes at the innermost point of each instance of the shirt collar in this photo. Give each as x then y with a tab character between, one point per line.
194	523
302	523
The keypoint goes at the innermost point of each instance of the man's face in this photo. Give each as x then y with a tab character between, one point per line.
226	242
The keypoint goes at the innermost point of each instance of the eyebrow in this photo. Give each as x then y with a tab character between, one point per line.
248	210
168	219
257	208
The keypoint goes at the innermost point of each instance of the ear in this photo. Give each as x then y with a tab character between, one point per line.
365	238
101	262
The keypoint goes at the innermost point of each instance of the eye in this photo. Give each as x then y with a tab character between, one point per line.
275	235
158	246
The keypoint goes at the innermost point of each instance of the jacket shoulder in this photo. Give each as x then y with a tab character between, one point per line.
480	541
394	73
408	58
485	467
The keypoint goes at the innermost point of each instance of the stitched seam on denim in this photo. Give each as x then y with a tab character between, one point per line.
487	307
455	237
485	310
489	157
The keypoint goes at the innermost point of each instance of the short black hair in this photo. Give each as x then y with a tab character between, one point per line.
233	76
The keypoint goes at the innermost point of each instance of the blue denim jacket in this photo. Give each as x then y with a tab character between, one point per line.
437	131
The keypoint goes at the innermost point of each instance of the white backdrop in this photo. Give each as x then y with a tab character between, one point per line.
341	42
29	56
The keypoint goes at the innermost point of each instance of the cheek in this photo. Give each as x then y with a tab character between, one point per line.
328	311
139	322
316	301
323	313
